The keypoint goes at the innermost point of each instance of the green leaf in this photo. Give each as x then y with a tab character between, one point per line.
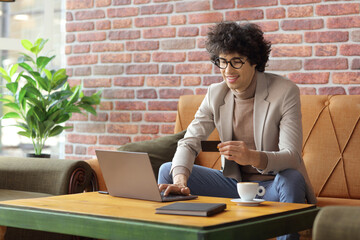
12	86
13	69
13	106
88	108
25	134
10	115
56	131
75	96
62	118
47	73
5	100
39	114
42	61
30	80
3	72
26	66
25	58
26	44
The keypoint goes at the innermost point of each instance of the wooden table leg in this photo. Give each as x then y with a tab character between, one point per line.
2	232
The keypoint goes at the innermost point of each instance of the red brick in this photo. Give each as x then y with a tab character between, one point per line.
68	149
298	12
201	91
200	42
74	82
151	21
160	117
103	25
205	17
268	26
355	36
284	65
78	27
142	45
354	90
142	69
290	2
91	149
129	81
188	31
205	29
167	129
82	60
124	34
100	117
103	3
198	56
307	91
142	138
90	128
167	69
78	138
302	24
169	56
136	117
174	44
91	37
193	68
97	82
118	94
68	50
122	23
142	57
141	1
325	50
121	2
122	128
163	106
156	9
146	94
208	80
291	51
70	38
191	6
191	81
346	77
355	65
178	20
106	105
149	129
159	32
157	1
119	117
244	15
86	15
323	64
79	4
113	140
79	117
82	48
115	58
350	49
275	13
255	3
69	72
122	12
325	37
108	69
283	38
223	4
82	71
337	9
309	78
163	81
127	105
80	150
343	22
174	94
107	47
332	91
69	17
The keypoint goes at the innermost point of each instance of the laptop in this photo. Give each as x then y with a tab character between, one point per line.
130	175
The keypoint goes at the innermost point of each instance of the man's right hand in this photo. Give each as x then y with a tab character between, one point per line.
179	186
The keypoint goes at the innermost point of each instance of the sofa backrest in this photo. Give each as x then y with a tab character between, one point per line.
331	141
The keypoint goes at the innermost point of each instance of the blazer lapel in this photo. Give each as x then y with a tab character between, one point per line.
226	112
261	107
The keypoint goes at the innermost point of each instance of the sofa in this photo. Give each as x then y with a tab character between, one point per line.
331	140
22	177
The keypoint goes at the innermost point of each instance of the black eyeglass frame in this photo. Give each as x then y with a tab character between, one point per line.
216	62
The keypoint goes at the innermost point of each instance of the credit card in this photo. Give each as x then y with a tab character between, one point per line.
209	146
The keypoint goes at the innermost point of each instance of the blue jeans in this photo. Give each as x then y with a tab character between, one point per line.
288	186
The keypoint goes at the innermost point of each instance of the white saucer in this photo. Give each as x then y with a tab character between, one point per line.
253	202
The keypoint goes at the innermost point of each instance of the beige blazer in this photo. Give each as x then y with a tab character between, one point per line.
277	126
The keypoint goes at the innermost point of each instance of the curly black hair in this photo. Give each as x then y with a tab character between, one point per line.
245	39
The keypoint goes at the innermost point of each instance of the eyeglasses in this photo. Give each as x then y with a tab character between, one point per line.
235	62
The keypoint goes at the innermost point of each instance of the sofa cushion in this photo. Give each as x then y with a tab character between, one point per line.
6	194
160	150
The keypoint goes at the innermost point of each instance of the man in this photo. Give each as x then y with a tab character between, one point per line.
258	117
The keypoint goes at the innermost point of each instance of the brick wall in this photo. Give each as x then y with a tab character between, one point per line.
144	54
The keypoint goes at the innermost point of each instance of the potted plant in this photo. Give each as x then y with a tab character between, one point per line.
40	99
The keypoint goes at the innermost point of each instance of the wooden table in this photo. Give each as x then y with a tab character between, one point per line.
102	216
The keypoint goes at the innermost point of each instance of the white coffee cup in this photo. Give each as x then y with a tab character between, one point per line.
248	190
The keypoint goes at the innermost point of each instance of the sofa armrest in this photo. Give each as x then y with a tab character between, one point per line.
337	222
51	176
